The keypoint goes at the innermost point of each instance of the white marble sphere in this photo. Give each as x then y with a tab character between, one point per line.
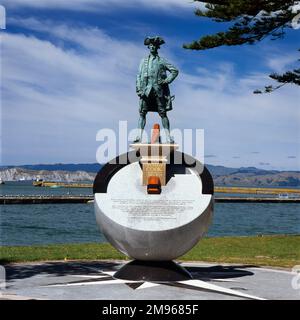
153	227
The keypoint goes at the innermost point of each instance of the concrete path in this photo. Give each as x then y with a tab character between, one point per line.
94	280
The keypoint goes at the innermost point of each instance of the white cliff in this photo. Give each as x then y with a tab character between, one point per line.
15	174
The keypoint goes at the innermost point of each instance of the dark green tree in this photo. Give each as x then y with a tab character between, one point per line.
251	22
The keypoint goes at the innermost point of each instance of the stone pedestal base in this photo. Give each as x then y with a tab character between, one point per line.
153	271
154	159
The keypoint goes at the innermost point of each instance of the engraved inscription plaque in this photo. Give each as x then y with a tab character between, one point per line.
149	209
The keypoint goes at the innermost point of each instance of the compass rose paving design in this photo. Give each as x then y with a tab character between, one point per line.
95	280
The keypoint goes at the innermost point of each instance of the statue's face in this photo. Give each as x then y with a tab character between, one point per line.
153	49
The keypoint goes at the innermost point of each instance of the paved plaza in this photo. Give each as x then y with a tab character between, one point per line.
95	280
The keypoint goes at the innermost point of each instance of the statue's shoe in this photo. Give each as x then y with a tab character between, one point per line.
170	140
137	139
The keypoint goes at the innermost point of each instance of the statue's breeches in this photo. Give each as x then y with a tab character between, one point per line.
153	103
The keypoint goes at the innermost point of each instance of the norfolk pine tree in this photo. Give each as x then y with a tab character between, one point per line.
251	22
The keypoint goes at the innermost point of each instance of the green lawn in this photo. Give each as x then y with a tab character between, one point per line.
280	251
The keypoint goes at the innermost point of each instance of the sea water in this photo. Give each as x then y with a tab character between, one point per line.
75	223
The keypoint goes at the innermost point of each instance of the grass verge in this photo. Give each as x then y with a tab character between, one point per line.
277	251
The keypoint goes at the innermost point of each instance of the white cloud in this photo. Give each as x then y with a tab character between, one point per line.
56	98
89	5
52	91
282	62
2	17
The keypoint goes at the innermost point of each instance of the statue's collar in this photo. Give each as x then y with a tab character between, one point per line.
153	56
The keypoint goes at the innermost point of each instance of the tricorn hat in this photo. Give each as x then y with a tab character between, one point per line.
157	41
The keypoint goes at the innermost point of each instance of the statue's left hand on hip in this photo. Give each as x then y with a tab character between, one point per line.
163	81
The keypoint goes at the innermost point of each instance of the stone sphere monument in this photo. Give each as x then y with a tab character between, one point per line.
154	227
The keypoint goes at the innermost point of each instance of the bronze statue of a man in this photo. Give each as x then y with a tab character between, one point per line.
152	86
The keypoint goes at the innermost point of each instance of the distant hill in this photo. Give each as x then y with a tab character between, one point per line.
223	176
95	167
220	170
268	179
88	167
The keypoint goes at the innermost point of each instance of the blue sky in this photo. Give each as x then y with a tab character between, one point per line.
69	67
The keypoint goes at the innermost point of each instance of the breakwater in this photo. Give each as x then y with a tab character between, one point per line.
217	189
89	198
44	199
